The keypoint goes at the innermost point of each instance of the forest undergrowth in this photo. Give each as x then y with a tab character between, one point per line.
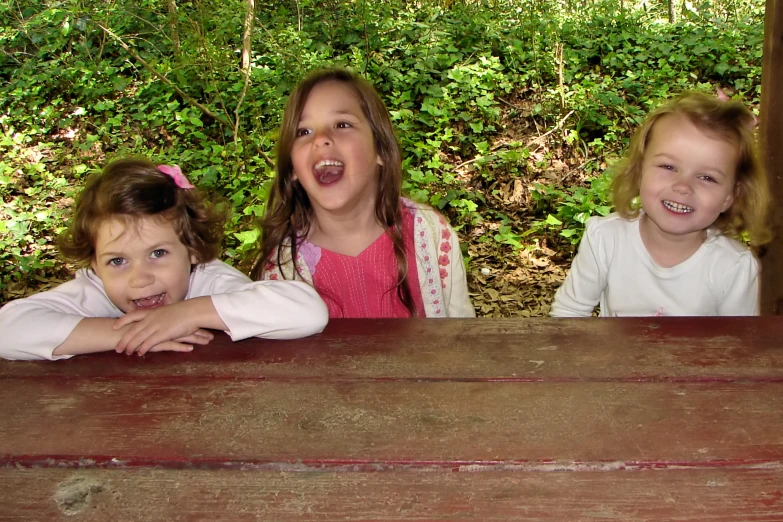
510	115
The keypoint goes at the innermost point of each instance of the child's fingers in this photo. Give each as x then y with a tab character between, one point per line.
130	317
204	335
195	339
171	346
134	338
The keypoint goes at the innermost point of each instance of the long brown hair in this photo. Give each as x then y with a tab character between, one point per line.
133	188
730	121
289	213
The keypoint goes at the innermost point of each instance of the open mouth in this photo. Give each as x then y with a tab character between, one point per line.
150	302
677	208
328	171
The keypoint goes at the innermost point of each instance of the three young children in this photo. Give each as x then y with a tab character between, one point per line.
339	240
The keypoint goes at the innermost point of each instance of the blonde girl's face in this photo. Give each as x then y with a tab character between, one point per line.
334	154
142	263
688	178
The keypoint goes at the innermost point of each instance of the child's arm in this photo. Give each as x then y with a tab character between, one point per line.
147	330
586	280
31	328
98	334
223	298
741	288
62	322
268	309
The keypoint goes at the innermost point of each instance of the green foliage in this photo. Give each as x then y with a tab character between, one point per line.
567	211
461	80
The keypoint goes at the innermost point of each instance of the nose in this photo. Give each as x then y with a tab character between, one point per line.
140	277
682	186
322	137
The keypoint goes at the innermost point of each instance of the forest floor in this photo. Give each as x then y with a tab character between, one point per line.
520	282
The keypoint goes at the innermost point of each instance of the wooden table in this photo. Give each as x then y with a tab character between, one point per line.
587	419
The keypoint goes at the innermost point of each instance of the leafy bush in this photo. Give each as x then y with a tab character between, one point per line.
467	84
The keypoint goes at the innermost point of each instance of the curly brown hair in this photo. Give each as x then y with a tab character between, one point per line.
132	188
289	213
730	121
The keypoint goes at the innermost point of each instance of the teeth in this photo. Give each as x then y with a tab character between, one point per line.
328	163
149	302
676	207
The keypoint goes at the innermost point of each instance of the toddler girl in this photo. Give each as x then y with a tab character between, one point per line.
147	242
336	209
693	168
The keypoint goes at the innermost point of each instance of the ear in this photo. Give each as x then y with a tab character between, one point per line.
378	160
94	265
193	259
730	198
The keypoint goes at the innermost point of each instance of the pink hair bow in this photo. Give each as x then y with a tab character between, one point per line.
176	174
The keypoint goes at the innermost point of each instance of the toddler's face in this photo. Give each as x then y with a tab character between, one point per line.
688	177
142	263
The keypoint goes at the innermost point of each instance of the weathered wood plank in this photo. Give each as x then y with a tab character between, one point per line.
537	349
391	425
187	495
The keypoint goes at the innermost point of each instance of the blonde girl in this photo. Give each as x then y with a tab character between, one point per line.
690	187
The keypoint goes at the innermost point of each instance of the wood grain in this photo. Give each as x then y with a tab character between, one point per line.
178	496
612	419
382	425
644	349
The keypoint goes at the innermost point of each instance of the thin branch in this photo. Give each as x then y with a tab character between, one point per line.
247	48
185	96
538	139
366	39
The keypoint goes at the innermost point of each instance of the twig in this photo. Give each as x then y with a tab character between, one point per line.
189	99
529	143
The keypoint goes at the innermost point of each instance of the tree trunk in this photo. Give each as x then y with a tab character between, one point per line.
247	40
173	26
672	11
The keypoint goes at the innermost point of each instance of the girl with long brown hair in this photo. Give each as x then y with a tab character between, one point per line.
336	217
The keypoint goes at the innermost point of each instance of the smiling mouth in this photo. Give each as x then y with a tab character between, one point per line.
328	171
150	302
677	208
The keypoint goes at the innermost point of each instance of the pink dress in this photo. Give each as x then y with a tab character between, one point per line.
365	285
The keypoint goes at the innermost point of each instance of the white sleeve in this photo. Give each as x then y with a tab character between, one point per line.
31	328
269	309
586	280
740	295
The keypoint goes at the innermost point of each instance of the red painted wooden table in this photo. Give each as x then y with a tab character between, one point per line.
587	419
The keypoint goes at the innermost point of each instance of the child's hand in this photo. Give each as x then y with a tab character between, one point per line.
160	329
173	346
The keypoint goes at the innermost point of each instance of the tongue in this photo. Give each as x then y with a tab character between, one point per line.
329	174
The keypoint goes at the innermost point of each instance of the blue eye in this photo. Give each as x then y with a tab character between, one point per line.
116	261
157	254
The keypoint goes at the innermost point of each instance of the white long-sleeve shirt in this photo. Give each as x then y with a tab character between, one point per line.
31	328
613	268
